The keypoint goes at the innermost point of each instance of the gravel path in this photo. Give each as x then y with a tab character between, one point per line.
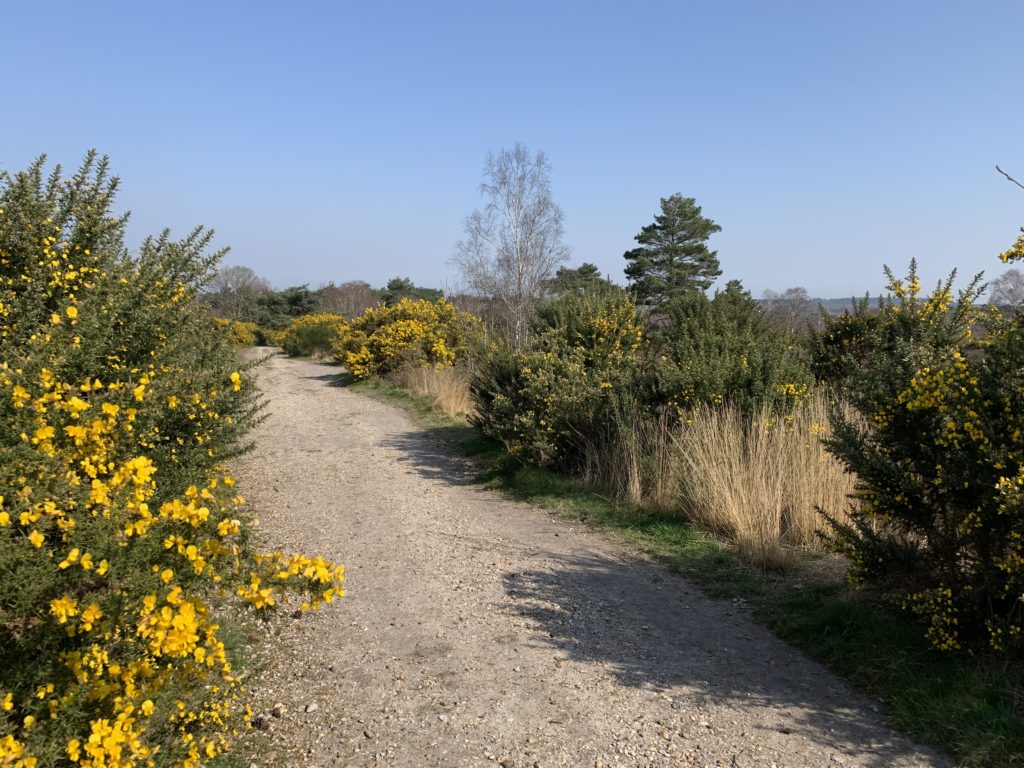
479	631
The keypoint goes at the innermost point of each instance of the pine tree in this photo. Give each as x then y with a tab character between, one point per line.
581	281
673	259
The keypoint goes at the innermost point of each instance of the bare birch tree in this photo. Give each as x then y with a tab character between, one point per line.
350	298
514	245
1007	290
233	292
792	309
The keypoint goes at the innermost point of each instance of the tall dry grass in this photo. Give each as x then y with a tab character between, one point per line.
634	462
446	388
759	480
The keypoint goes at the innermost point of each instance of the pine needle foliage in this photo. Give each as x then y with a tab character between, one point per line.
673	259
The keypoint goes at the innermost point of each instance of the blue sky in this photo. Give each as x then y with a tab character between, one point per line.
345	141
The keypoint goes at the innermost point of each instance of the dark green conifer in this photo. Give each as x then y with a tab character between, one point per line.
673	259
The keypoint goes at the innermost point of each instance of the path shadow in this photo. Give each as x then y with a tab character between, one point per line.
339	379
431	453
651	629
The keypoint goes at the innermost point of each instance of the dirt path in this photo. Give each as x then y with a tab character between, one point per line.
478	631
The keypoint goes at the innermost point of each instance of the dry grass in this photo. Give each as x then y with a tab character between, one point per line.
635	463
760	481
447	388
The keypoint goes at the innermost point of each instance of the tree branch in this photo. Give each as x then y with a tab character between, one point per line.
1009	177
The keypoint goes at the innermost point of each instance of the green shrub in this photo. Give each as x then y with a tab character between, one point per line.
719	350
938	450
552	402
844	342
120	534
313	335
268	337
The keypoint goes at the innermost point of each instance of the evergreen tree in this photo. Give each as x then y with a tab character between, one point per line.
673	259
276	309
399	288
581	281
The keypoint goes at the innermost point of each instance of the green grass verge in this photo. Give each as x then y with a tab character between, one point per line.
971	708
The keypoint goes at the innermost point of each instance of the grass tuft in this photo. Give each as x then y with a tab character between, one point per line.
759	481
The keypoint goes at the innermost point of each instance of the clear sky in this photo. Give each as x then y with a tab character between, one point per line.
345	141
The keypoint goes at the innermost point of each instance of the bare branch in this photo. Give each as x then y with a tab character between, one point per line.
513	247
1009	177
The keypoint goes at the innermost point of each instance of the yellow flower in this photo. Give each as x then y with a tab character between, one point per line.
76	405
70	560
63	608
72	312
36	538
90	616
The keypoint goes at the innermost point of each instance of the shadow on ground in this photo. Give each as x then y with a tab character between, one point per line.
430	453
339	379
651	629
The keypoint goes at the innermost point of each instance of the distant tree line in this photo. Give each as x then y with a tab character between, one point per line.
238	293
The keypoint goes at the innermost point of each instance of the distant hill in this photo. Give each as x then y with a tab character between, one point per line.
836	306
832	306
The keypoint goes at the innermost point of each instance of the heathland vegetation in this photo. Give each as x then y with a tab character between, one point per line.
888	435
759	445
123	541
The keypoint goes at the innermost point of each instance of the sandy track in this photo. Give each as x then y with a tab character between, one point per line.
479	631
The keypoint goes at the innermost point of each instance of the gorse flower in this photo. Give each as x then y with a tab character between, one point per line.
936	450
122	531
413	332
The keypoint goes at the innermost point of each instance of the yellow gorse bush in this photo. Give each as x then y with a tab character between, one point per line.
550	403
412	333
938	449
243	334
120	535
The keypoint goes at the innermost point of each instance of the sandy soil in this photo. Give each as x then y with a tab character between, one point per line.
480	631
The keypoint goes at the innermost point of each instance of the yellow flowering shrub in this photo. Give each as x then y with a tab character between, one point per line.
413	332
121	537
938	450
552	402
243	334
313	335
272	337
